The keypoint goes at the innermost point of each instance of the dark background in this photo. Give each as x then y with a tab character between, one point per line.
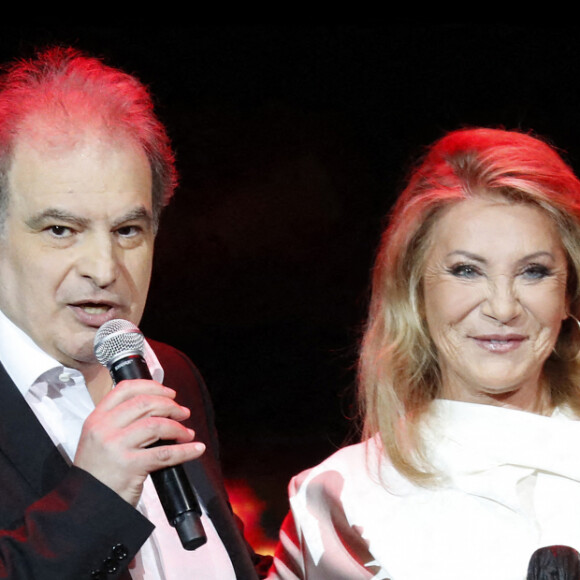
291	144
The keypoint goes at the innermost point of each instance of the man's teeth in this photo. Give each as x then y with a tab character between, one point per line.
95	308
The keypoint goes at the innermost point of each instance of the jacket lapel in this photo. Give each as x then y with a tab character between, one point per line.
25	442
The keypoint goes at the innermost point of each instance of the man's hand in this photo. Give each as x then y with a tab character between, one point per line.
115	440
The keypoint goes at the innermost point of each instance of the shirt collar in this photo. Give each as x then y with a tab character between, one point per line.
468	438
16	346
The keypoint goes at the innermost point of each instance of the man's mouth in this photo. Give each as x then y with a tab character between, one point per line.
94	308
94	314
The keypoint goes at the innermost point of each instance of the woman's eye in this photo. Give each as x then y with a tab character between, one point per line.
464	271
536	271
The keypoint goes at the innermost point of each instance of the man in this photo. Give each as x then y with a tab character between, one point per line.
85	169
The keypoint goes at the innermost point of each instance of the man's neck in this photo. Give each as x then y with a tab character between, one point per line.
98	380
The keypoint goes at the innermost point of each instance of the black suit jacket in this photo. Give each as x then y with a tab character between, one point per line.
58	522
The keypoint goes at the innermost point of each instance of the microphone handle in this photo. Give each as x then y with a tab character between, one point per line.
171	483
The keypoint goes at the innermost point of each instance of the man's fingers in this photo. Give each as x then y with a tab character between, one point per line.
126	390
135	430
170	455
150	430
136	408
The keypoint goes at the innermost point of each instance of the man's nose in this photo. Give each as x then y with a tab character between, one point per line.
98	260
501	303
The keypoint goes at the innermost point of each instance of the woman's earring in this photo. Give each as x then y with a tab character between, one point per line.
578	352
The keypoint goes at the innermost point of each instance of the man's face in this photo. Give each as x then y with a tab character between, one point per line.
77	245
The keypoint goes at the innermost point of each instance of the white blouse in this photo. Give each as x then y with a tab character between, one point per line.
513	486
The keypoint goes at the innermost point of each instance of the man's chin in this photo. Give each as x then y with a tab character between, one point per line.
80	354
76	348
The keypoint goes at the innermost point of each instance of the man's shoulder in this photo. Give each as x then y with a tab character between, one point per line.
168	353
179	371
173	360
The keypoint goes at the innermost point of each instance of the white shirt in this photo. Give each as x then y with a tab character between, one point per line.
59	398
513	486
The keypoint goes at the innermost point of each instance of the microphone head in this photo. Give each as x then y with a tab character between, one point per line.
118	338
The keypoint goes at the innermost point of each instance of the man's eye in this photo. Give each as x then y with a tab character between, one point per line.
128	231
464	271
60	231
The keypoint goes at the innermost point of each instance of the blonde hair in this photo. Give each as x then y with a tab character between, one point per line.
398	369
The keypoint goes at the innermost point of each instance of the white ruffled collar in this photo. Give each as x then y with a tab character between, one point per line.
486	450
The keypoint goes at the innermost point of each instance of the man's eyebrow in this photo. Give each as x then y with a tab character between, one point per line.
39	220
136	214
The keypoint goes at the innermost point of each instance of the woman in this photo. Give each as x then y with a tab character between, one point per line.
469	380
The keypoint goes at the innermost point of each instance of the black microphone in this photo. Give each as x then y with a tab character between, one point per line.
119	345
554	563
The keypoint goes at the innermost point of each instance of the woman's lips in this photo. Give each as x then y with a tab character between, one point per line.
500	344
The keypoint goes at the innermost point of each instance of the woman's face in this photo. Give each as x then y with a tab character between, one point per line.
495	298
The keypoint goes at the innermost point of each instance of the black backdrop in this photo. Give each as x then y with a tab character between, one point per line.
291	144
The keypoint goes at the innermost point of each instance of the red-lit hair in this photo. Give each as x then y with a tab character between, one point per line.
398	370
71	91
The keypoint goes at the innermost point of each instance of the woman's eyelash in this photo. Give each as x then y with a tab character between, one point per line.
537	271
533	271
464	270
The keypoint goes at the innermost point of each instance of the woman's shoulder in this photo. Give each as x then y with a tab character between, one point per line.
345	458
357	468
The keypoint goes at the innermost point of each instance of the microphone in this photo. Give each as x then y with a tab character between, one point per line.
554	563
119	346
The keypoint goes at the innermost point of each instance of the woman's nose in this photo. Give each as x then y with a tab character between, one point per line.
501	303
